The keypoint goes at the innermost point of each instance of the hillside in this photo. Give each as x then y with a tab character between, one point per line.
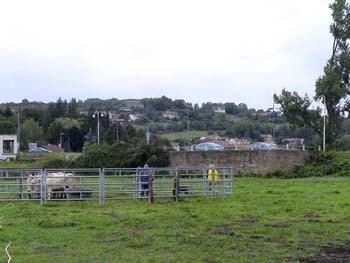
74	119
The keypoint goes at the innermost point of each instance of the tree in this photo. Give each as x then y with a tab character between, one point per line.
76	139
8	112
58	126
31	132
73	109
37	114
333	85
296	111
7	127
231	108
53	111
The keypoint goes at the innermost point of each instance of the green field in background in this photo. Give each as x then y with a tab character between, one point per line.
183	135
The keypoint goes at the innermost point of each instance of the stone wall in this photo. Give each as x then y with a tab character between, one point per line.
261	161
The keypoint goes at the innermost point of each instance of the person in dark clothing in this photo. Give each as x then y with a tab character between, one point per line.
144	175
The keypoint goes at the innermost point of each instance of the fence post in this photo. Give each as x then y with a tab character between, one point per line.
102	186
204	181
222	181
7	177
43	196
21	195
232	181
177	185
136	184
150	187
212	183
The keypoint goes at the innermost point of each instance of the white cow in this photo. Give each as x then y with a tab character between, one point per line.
55	182
33	184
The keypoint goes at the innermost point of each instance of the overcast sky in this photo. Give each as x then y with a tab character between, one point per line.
198	50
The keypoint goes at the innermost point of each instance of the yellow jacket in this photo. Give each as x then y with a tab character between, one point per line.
216	175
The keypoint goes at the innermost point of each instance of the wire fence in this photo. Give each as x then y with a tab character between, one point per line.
46	185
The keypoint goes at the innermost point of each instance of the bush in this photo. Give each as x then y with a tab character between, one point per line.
122	155
323	164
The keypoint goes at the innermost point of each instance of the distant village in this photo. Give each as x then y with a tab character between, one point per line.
221	126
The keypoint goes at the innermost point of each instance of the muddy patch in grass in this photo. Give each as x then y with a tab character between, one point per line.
339	254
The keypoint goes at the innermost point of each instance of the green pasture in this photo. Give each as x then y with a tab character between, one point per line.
183	135
267	220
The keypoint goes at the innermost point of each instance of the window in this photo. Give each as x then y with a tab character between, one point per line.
8	147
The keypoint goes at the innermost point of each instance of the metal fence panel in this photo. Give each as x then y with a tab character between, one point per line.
14	185
113	184
78	184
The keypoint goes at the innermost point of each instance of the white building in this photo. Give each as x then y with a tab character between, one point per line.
170	115
115	117
135	117
219	109
8	146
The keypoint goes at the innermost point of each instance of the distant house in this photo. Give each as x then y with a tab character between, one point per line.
125	109
220	109
84	113
170	115
135	117
8	146
115	117
226	142
133	104
239	142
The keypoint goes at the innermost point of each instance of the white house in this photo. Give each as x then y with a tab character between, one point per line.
135	117
170	115
8	146
219	109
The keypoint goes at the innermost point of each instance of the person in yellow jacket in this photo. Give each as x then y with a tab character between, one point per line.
212	172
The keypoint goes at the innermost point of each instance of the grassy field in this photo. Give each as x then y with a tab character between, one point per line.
183	135
268	220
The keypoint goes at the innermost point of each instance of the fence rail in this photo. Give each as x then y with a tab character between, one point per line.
46	185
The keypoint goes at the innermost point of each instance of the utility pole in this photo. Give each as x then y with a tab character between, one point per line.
324	122
188	127
273	121
117	132
148	135
61	133
18	132
98	113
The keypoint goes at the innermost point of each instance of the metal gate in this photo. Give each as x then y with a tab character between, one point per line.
46	185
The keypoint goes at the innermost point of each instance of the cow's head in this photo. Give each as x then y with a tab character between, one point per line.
34	178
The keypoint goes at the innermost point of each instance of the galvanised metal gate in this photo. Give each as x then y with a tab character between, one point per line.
46	185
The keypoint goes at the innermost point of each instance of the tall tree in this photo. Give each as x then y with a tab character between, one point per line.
73	109
7	127
333	85
31	132
8	112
